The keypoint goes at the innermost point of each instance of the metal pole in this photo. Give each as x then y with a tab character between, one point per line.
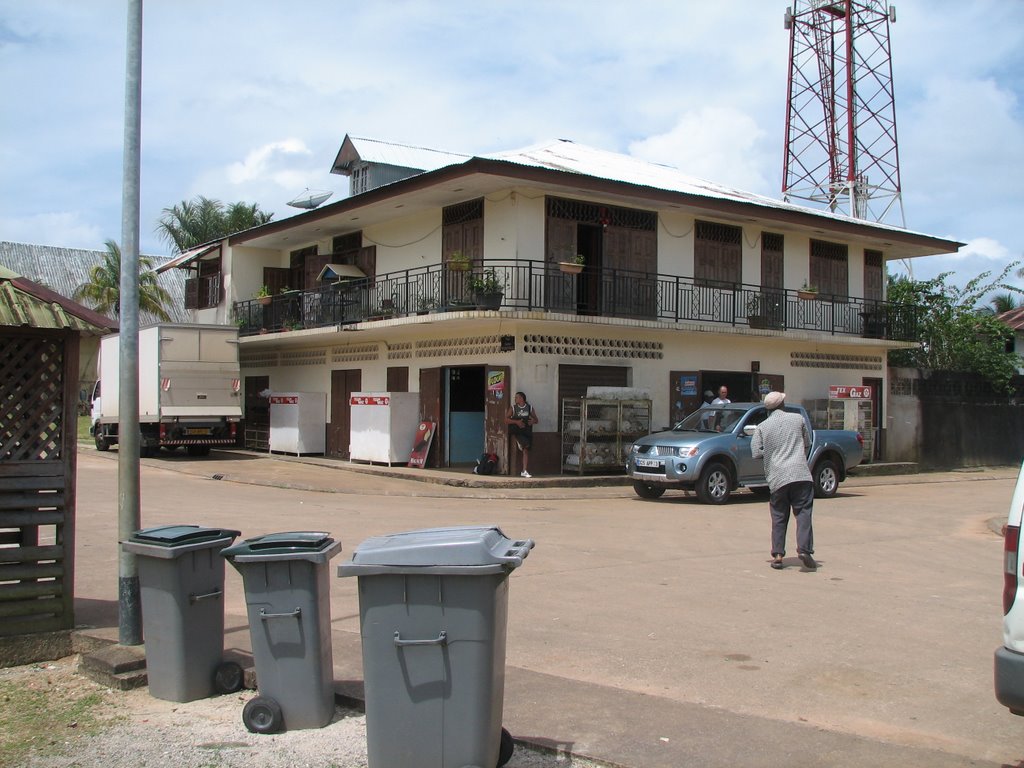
129	608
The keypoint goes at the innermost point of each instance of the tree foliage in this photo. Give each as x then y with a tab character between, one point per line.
103	290
956	334
203	219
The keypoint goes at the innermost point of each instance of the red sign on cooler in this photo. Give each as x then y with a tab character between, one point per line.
369	400
844	392
284	400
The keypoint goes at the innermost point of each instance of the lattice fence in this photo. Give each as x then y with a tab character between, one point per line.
38	389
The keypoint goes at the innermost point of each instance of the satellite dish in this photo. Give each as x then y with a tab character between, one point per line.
310	199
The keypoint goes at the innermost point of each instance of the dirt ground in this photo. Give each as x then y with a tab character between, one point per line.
55	717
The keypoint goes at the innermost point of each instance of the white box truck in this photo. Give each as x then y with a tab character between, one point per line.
189	381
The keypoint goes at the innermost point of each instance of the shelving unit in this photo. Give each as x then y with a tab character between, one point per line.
597	433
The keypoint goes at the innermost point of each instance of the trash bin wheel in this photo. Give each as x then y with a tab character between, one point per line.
506	749
228	677
263	715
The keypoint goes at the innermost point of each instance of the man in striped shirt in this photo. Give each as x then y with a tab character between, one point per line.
784	442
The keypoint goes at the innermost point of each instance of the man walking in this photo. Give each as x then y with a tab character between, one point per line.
784	442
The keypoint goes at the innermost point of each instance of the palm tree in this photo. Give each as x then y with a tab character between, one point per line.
202	220
1003	302
103	291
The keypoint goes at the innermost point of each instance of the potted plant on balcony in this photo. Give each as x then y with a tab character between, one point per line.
488	290
574	265
263	295
458	261
807	291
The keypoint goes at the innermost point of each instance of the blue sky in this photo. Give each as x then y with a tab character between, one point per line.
250	101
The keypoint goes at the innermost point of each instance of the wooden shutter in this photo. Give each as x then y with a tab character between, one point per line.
430	410
496	402
873	276
772	260
276	278
192	293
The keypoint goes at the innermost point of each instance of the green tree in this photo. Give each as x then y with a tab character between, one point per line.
955	331
103	291
203	219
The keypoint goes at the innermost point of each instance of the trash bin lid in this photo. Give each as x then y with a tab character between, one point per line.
169	541
315	546
460	549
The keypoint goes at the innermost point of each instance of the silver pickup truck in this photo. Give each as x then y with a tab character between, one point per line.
709	452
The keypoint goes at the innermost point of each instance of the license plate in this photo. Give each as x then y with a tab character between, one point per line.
198	431
648	462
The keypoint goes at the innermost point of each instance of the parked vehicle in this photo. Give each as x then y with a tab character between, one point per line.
1009	658
709	452
189	381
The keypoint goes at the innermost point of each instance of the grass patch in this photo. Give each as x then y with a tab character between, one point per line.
40	717
83	428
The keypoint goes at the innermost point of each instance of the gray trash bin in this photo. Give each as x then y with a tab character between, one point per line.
432	609
181	585
287	592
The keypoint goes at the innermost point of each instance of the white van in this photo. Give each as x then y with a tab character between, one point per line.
1009	663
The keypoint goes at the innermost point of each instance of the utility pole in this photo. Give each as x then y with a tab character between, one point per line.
128	517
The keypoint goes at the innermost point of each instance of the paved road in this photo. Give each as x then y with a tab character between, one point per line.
654	633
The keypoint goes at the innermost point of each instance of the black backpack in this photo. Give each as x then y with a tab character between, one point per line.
487	464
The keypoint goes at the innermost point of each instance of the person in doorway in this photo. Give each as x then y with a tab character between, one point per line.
783	440
520	419
723	396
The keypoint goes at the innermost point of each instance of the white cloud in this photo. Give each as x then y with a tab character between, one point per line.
714	143
269	161
63	229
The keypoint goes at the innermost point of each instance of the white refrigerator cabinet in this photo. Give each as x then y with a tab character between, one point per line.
383	426
298	422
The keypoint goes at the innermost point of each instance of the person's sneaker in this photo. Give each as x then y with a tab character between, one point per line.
524	473
808	561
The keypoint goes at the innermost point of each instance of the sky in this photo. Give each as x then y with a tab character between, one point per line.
250	100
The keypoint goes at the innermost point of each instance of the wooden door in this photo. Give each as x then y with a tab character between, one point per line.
496	402
431	380
339	430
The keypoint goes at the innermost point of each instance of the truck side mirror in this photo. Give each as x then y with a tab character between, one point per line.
749	430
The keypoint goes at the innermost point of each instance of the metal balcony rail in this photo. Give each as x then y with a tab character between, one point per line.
599	292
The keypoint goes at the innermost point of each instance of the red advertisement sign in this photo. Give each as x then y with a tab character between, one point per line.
421	443
843	392
369	400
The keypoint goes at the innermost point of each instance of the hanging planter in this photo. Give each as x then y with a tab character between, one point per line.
807	292
570	267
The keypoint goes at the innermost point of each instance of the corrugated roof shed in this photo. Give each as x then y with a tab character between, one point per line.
64	269
26	304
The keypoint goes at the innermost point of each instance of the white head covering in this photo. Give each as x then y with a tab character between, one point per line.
774	400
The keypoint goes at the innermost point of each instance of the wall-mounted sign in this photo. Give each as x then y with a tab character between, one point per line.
496	382
844	392
508	343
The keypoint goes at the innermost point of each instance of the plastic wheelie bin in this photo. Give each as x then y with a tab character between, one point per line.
287	592
432	608
181	585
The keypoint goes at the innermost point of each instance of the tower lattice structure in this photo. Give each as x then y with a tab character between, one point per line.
841	146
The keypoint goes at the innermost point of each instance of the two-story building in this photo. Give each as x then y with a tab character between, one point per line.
612	271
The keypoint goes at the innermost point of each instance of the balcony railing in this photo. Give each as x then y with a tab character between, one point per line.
537	285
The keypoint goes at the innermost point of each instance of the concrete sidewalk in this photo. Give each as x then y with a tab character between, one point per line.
557	708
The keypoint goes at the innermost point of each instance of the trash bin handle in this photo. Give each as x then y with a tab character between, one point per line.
442	639
291	615
208	595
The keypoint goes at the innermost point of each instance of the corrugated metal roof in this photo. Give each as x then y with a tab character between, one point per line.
564	155
187	257
1014	318
25	304
64	269
355	148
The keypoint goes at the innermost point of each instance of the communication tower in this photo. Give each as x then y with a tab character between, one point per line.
841	148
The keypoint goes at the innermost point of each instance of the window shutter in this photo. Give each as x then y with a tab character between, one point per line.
192	293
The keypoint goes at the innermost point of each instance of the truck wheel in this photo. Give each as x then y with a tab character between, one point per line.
198	450
506	749
101	441
826	479
263	715
648	491
714	484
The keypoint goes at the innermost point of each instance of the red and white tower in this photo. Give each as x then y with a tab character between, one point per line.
841	148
